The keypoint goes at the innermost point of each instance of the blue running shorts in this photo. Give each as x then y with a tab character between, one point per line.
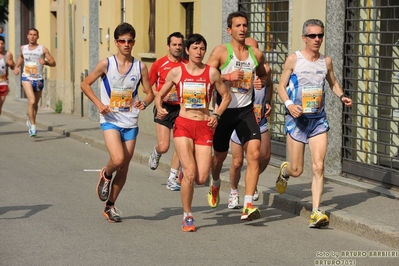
37	85
301	128
126	133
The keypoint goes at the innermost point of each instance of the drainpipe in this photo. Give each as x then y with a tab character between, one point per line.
367	84
123	11
71	53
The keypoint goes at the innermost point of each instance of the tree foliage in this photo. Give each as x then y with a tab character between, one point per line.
3	11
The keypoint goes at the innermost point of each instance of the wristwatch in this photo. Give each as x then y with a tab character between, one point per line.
217	116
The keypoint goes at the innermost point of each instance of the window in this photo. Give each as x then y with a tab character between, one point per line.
151	28
268	24
189	8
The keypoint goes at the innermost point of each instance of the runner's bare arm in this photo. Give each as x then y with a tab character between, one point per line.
217	58
285	76
221	89
10	61
171	80
49	58
295	110
334	85
97	72
224	92
214	57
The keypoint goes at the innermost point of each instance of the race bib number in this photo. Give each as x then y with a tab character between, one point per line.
194	95
31	69
242	86
173	95
121	99
312	97
258	112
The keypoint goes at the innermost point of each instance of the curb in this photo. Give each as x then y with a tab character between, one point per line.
339	219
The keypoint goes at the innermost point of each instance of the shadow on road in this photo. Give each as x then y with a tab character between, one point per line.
14	212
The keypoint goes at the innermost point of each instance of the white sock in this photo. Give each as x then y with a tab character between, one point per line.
185	214
173	173
233	191
247	199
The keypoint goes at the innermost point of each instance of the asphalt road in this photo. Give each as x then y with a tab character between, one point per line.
50	215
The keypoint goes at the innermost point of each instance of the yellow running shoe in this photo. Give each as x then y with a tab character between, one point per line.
281	183
250	212
213	196
318	219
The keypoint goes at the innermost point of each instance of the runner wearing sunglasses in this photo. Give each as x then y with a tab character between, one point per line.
119	108
306	122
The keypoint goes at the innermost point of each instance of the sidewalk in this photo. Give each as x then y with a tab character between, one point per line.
363	209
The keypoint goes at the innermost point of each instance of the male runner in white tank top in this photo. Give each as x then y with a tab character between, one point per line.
34	57
119	108
239	64
305	73
262	110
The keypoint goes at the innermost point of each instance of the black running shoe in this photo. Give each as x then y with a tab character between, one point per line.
103	186
112	214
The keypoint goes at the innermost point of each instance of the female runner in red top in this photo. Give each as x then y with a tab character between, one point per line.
194	127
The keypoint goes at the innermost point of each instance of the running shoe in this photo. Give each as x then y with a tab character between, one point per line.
32	129
281	183
153	162
188	224
112	214
213	196
234	201
250	212
172	184
103	186
318	219
255	197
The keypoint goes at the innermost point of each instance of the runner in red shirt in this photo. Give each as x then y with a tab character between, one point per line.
158	72
193	131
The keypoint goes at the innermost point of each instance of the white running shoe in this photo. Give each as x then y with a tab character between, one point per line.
173	184
153	162
32	129
234	201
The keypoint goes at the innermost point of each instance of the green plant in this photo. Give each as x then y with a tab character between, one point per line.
58	107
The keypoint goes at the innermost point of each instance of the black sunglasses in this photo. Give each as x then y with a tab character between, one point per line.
313	36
